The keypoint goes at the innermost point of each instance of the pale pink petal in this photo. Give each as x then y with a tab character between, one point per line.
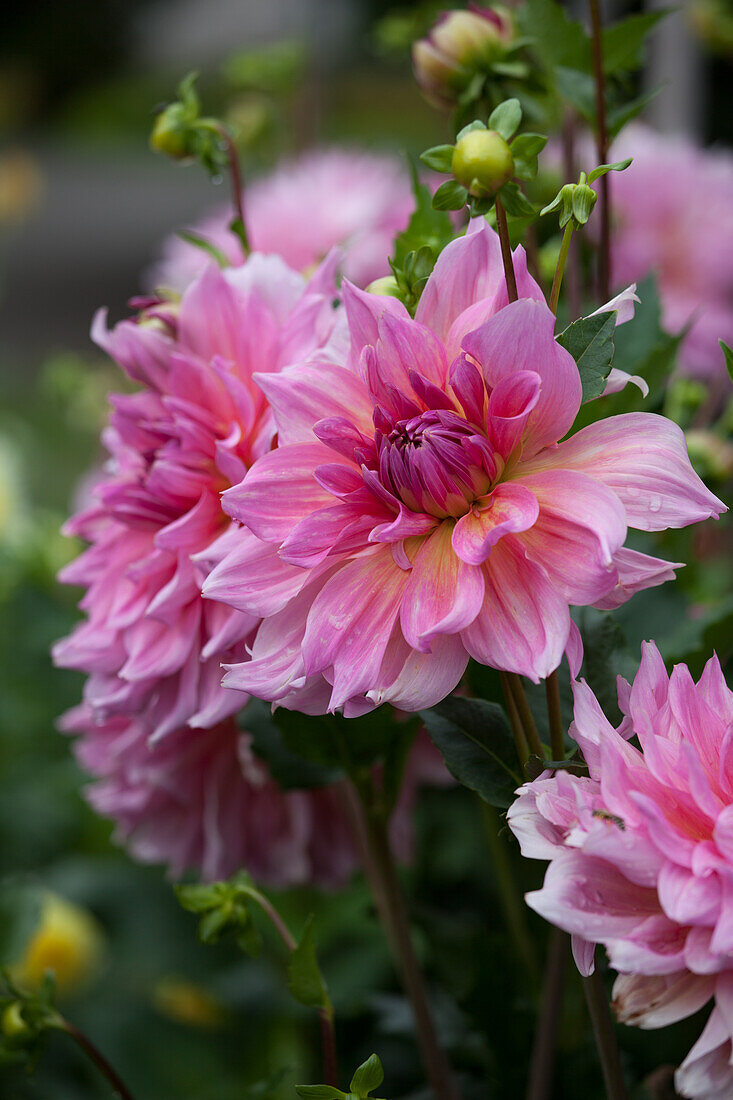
300	396
623	304
443	594
636	571
651	1001
509	508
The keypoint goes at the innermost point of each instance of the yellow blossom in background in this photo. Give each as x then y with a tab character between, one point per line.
187	1003
68	940
21	185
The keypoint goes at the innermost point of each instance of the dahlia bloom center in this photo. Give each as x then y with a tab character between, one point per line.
436	463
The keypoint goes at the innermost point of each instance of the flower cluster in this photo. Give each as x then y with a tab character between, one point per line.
356	200
641	854
420	510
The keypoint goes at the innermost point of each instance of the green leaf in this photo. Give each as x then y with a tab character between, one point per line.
451	195
476	741
525	150
602	169
290	770
20	914
205	246
368	1076
590	342
505	118
577	88
198	897
622	43
514	202
469	128
728	354
213	924
557	39
249	939
427	226
603	644
320	1092
439	157
305	980
625	112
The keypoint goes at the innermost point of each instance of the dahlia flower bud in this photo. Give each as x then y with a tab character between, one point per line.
171	133
460	45
482	162
387	286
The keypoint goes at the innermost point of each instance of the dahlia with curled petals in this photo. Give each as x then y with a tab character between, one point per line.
150	645
641	854
330	197
420	509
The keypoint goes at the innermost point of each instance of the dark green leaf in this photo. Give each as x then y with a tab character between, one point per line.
305	980
514	202
728	354
577	88
476	741
622	43
368	1076
557	39
451	195
249	939
427	226
505	118
213	924
290	770
525	150
439	157
625	112
20	915
603	643
590	342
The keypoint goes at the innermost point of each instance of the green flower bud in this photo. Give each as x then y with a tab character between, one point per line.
387	286
461	45
482	162
171	132
12	1023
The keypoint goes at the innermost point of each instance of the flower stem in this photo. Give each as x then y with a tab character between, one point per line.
380	867
237	190
554	714
328	1034
525	714
506	252
604	256
539	1086
97	1057
560	269
600	1014
572	273
520	741
511	900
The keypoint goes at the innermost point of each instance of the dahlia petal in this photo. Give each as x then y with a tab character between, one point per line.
624	304
509	508
521	337
443	594
300	396
706	1073
143	352
280	490
512	400
643	458
584	955
686	898
524	624
253	578
636	572
363	312
425	678
657	1001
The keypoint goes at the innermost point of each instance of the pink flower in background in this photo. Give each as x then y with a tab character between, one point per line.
642	854
673	214
356	200
420	510
202	799
150	644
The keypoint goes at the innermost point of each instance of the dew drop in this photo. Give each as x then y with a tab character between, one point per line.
655	503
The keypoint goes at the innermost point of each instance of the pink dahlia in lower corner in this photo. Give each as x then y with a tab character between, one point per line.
641	854
150	645
673	212
202	800
356	200
419	509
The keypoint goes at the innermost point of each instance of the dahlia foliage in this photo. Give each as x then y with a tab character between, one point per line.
640	852
333	490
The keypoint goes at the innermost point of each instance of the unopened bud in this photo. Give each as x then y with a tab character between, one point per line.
482	162
171	132
460	45
12	1024
387	286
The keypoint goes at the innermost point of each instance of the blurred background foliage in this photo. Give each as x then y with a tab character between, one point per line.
83	206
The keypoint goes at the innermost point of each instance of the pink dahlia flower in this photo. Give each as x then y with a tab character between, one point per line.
358	201
150	644
201	799
673	210
419	508
642	854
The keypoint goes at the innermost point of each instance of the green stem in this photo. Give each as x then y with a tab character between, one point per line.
554	714
600	1014
393	910
328	1034
604	255
237	189
520	741
511	900
506	252
539	1086
560	269
96	1057
525	714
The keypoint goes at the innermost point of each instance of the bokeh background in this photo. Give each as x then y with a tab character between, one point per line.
84	206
